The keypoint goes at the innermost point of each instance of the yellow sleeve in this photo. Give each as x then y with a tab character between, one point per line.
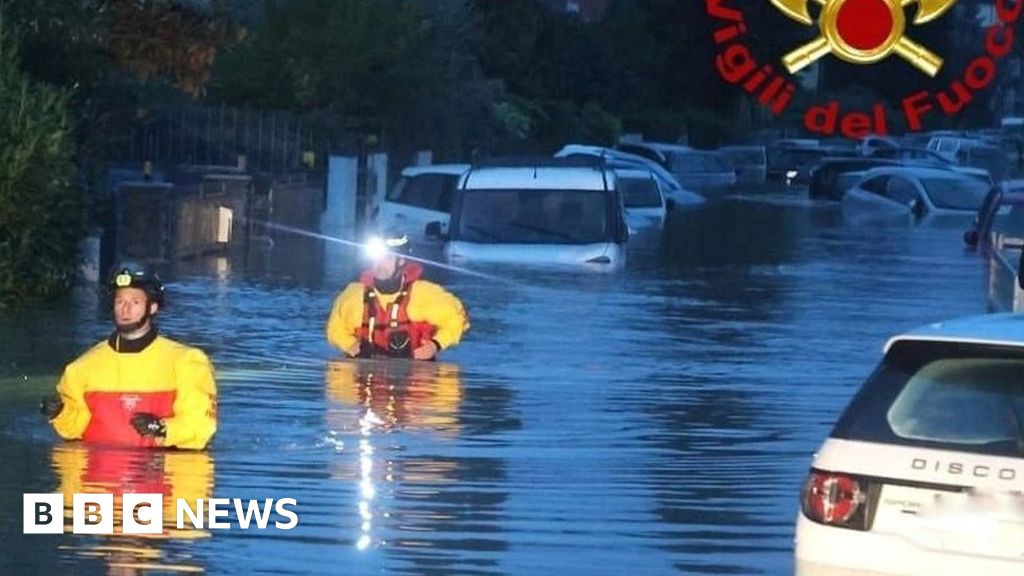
74	416
195	403
346	317
431	303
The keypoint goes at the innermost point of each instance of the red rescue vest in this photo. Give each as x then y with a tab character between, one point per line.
112	413
383	323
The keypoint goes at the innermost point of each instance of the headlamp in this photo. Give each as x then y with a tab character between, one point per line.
375	248
378	247
123	280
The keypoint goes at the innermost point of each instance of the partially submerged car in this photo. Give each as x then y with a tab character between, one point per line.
923	472
833	176
693	168
537	211
642	198
916	190
675	194
751	163
422	194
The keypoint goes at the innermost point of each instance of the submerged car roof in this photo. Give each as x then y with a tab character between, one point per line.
541	174
1006	329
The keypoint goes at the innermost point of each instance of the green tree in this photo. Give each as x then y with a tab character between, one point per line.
40	212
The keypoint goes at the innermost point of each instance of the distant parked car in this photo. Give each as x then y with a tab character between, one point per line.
923	157
973	151
922	472
421	195
537	211
916	190
1004	199
795	166
989	157
675	194
869	144
751	163
694	169
642	199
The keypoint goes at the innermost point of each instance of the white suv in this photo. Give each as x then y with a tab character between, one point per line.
923	473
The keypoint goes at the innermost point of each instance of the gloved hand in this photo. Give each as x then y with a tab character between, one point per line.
399	345
149	425
50	406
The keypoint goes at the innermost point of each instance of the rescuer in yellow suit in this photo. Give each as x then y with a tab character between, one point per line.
391	312
137	388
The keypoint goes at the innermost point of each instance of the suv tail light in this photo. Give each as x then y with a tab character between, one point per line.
838	500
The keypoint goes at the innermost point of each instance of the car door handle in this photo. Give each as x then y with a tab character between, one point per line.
399	216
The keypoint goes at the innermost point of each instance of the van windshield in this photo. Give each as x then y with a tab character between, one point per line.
964	397
534	217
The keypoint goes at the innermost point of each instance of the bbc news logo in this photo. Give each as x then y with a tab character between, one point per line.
144	513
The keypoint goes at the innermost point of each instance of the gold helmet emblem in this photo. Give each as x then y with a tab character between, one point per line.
863	31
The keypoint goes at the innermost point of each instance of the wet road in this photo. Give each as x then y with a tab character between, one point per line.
657	421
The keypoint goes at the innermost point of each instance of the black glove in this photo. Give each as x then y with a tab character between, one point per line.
399	345
50	406
149	425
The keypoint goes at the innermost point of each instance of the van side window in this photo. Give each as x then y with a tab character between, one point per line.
427	191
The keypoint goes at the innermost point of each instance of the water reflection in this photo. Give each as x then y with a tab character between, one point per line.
398	394
188	475
416	489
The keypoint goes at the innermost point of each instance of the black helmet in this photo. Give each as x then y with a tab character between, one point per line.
134	275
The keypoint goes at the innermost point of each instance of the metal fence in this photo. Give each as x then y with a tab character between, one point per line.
256	140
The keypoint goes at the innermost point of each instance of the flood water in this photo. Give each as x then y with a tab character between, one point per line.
654	421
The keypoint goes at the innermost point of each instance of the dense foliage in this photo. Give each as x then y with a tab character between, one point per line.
40	213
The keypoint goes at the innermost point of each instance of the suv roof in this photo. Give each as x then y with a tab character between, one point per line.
1006	329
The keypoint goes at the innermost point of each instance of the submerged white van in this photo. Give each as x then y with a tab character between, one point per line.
537	211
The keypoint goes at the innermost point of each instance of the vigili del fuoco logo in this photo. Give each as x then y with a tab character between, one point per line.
860	32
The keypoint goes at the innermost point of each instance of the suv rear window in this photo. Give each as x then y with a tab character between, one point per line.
952	396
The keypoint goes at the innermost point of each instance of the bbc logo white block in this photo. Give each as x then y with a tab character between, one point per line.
93	514
43	513
143	513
